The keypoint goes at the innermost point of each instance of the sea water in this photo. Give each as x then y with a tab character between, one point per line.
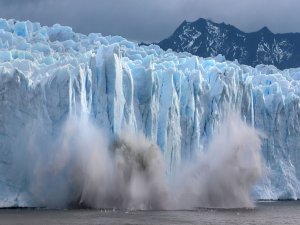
279	212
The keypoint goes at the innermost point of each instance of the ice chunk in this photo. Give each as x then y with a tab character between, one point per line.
4	25
5	56
21	29
60	33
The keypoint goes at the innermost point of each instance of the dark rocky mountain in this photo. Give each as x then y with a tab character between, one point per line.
206	38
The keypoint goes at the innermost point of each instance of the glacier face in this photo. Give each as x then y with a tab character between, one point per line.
175	99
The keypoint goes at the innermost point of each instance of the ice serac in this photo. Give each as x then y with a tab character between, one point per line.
175	99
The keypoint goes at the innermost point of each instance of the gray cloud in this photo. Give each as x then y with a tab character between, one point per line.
152	20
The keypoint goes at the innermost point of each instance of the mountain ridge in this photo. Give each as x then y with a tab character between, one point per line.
206	38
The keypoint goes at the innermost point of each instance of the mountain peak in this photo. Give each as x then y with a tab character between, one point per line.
201	20
265	30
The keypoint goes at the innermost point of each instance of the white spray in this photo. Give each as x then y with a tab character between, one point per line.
224	175
81	168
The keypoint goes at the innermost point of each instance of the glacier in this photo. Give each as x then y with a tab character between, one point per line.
175	99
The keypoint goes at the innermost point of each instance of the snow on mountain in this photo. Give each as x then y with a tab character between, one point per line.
175	99
208	39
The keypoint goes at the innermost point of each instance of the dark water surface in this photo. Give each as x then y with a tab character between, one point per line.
264	213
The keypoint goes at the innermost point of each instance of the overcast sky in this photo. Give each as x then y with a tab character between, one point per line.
152	20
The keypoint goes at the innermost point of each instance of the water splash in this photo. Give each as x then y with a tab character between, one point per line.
82	168
224	175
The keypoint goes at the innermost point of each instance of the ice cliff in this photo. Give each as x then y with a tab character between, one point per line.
175	99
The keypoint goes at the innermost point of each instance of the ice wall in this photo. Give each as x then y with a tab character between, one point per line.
175	99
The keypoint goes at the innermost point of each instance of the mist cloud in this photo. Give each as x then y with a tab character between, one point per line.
81	167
